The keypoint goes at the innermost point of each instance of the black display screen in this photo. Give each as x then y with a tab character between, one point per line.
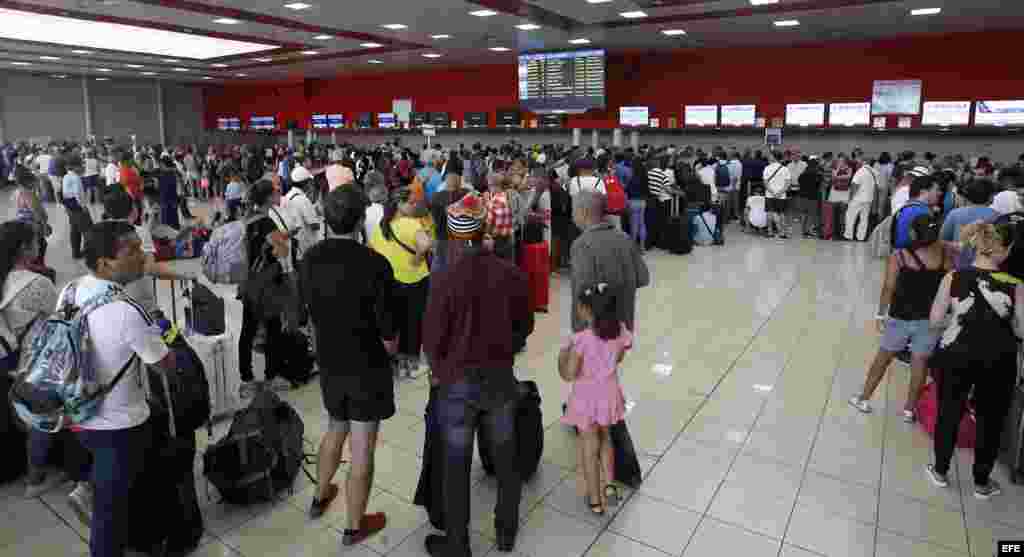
418	119
508	118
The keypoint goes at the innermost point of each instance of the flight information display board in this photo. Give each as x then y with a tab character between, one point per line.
946	113
229	123
319	121
999	113
570	81
262	122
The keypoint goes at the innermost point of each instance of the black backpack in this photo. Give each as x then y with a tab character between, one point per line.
189	387
529	433
561	201
698	194
261	454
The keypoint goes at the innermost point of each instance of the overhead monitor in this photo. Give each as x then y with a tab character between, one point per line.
946	113
739	115
634	116
849	114
336	120
365	120
419	119
806	114
475	120
509	117
229	123
263	122
567	81
701	115
320	122
898	97
440	119
386	120
999	113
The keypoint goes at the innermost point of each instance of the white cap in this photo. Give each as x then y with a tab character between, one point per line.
300	174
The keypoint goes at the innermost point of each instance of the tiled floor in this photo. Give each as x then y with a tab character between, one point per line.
744	359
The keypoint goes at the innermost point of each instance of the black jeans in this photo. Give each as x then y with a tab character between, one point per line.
250	324
461	409
80	222
410	305
994	386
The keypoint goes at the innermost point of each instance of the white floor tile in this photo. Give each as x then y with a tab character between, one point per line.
614	545
713	537
830	535
656	523
550	533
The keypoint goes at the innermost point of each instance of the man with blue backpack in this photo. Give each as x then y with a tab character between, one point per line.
925	193
83	375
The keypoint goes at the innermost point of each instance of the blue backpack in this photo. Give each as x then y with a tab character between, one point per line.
723	180
902	220
57	386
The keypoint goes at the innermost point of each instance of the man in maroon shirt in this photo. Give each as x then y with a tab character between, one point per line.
478	316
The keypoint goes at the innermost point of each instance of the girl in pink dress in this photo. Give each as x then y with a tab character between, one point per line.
590	362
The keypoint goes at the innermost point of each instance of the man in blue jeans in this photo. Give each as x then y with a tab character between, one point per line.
478	316
123	335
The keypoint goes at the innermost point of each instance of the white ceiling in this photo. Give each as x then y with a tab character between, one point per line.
350	22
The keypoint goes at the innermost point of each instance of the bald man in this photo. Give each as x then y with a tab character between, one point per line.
604	254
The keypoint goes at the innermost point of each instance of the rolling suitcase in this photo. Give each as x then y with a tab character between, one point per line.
535	262
677	237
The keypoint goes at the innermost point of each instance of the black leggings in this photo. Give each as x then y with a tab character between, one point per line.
994	386
271	348
410	304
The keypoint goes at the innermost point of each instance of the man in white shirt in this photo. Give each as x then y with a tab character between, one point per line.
796	168
374	212
735	175
111	173
865	183
776	181
706	173
305	220
119	436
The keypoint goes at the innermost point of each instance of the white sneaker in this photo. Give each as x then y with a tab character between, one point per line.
939	480
984	492
80	501
860	404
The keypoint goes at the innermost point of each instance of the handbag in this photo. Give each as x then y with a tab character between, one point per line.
533	230
429	257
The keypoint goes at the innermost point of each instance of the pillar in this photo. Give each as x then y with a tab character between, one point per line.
634	141
593	139
160	114
291	139
309	137
87	106
576	135
617	137
334	138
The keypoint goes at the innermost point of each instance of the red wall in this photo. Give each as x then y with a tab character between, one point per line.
966	66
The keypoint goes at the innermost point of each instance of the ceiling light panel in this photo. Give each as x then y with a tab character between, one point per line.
763	2
104	70
310	52
395	26
431	55
371	45
499	48
49	58
673	32
579	41
21	63
323	37
787	23
148	73
102	79
134	66
219	65
24	26
374	62
226	21
483	13
442	36
926	11
635	14
298	6
598	1
528	27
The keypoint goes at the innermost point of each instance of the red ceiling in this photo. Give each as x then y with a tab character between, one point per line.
954	67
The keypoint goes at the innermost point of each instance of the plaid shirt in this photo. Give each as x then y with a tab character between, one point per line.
499	216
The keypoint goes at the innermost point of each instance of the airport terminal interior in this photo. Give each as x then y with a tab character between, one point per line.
748	342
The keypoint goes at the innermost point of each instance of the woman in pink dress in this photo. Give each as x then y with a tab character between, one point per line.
590	362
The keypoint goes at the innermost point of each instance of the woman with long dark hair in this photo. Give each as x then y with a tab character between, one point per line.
404	240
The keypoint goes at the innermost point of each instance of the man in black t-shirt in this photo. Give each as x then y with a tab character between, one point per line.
348	289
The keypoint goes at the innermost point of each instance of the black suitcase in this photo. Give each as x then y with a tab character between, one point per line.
839	221
529	431
676	234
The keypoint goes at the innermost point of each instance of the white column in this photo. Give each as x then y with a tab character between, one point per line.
576	135
617	137
160	114
334	138
593	139
634	141
291	139
87	106
309	137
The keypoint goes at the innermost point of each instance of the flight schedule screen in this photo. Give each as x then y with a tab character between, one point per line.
570	81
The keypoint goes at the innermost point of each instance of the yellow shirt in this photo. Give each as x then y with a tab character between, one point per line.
402	262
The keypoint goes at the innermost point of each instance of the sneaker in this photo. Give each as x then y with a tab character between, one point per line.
39	483
991	489
248	389
280	384
319	506
909	417
939	480
368	526
860	404
80	500
904	357
506	542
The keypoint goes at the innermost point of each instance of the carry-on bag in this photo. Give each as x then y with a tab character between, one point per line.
676	234
535	262
529	433
627	465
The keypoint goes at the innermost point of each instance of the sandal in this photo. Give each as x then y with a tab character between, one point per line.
596	508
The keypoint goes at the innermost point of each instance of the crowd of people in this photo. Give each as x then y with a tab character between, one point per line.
409	261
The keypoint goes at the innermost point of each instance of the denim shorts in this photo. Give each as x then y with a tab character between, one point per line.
898	334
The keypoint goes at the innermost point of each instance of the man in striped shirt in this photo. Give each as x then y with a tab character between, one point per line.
660	179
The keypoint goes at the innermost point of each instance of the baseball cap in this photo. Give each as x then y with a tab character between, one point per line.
300	174
919	171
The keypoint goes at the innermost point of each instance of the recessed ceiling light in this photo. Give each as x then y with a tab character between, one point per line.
133	66
219	65
298	6
172	60
483	13
310	52
207	77
528	27
374	62
182	70
241	75
636	14
926	11
395	26
104	70
49	57
673	32
787	23
148	73
323	37
226	21
60	76
371	45
499	49
579	41
763	2
262	59
21	63
79	51
598	1
440	36
431	55
102	79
